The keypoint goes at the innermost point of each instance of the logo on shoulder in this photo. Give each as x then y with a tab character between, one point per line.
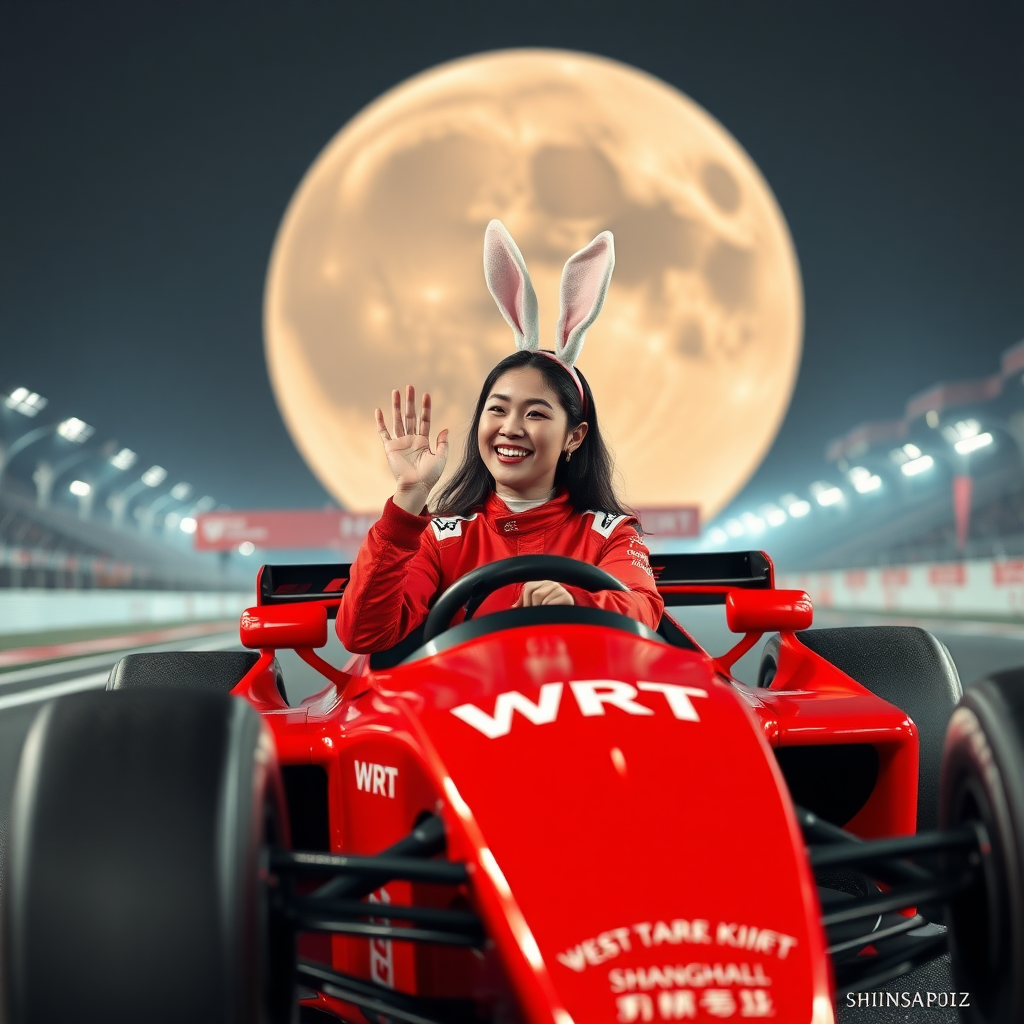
445	527
605	522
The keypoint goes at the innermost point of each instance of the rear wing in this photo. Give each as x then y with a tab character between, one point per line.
705	578
292	584
681	579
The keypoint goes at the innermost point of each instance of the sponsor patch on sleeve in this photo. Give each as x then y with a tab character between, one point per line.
639	555
605	522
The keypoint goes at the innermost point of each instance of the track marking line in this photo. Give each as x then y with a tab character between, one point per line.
143	638
95	680
68	668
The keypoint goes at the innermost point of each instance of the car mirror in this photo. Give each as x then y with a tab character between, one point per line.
284	625
761	611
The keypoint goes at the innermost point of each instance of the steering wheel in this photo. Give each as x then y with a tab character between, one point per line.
471	589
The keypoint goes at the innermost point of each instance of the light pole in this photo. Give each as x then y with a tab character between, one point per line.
82	490
46	476
147	514
186	523
72	429
118	503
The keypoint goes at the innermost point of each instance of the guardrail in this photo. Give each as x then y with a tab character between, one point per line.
37	610
972	587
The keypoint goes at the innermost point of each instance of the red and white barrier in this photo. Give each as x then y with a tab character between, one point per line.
973	588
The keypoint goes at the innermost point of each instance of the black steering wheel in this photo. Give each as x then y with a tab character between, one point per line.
471	589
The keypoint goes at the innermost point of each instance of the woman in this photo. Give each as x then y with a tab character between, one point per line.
535	477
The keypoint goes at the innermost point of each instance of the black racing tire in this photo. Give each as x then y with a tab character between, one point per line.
983	781
136	875
905	666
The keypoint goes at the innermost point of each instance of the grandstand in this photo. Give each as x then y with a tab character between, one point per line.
56	535
52	548
944	482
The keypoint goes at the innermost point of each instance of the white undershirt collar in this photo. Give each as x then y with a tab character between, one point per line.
521	505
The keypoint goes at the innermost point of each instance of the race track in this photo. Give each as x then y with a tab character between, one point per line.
977	648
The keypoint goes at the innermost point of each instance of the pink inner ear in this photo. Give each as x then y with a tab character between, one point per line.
582	284
504	279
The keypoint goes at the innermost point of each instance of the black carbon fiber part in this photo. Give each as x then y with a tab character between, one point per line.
190	670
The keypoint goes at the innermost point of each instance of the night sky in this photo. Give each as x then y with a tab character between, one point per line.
149	152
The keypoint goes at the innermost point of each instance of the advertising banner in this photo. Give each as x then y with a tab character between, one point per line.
331	528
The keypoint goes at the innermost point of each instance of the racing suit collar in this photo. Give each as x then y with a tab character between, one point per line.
551	514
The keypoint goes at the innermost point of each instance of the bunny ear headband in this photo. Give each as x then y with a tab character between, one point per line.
585	279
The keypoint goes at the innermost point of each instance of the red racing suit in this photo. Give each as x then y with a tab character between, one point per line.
407	560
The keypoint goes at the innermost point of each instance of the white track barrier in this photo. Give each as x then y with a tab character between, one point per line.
37	610
978	588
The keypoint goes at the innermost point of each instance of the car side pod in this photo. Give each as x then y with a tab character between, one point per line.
756	612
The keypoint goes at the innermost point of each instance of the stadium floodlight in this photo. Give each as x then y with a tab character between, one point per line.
246	548
187	525
28	403
154	476
205	503
718	536
773	515
917	466
906	453
826	494
76	430
179	492
863	480
972	444
80	488
754	524
962	430
735	528
124	459
794	505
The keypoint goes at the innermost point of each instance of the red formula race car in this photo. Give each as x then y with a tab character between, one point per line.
547	814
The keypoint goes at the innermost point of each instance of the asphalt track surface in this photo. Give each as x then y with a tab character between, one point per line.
978	648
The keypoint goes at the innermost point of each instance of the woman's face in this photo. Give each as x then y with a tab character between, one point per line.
523	433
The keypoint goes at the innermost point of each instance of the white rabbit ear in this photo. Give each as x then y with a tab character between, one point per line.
509	283
585	281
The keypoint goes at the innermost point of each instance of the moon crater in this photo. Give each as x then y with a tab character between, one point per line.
376	281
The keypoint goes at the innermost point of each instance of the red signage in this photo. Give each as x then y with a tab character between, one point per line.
316	528
307	528
898	577
1004	573
683	521
951	574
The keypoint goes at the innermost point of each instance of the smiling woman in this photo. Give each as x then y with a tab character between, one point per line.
518	490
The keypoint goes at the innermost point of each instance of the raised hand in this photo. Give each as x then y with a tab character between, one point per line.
415	467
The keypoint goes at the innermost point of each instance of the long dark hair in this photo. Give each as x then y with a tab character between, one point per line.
588	475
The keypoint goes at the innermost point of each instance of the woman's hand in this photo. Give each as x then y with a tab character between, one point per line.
415	467
539	592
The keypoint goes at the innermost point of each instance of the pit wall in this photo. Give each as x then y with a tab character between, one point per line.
976	588
37	610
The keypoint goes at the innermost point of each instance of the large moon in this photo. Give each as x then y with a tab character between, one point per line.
376	275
